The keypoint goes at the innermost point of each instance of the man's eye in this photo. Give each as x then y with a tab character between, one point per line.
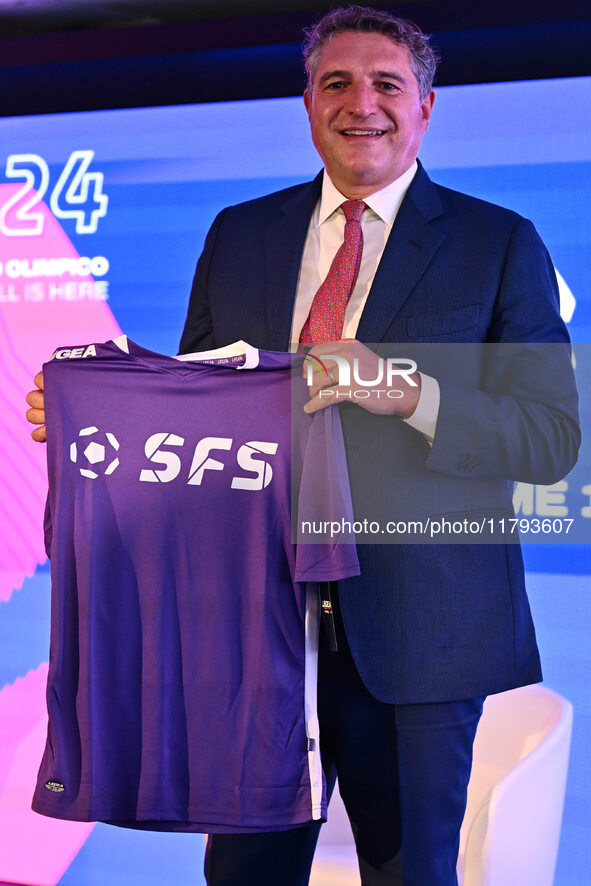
387	86
336	84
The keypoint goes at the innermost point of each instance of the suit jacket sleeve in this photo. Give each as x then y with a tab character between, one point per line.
521	422
198	334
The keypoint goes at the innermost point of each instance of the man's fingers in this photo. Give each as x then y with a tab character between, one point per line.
35	399
321	375
318	367
321	383
333	347
39	435
36	414
325	397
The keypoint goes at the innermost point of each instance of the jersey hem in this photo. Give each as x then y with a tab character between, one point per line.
161	822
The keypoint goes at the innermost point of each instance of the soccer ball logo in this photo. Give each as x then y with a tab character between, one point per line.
96	450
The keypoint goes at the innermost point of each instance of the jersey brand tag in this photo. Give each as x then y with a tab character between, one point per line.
56	786
311	744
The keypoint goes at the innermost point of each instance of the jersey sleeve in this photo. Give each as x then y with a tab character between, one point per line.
325	542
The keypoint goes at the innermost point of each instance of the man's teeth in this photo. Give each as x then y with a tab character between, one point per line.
363	131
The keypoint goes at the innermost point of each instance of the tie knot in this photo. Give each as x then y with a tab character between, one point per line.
353	209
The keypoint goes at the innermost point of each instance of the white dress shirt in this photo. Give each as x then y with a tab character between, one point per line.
325	235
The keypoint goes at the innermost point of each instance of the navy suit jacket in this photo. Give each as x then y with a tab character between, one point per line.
425	622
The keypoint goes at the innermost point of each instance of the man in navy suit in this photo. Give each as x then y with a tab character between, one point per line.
426	631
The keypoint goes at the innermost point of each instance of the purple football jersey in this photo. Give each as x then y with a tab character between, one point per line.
184	626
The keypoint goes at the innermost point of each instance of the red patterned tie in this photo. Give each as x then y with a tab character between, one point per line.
327	314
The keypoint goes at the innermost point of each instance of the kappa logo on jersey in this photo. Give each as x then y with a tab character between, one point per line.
98	452
55	786
74	353
166	463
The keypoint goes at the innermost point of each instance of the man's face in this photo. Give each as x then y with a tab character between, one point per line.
366	115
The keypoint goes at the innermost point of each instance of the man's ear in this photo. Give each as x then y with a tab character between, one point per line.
426	108
307	100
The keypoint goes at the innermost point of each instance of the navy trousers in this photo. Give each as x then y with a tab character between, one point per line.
403	772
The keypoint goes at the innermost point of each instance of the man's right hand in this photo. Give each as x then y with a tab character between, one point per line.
36	414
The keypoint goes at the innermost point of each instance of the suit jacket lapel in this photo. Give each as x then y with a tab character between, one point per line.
411	245
285	237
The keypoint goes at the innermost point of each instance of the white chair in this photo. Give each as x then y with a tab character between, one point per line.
511	828
512	824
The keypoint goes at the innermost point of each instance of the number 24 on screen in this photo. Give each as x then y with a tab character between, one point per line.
77	194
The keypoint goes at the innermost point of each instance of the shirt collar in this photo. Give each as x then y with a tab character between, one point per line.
384	203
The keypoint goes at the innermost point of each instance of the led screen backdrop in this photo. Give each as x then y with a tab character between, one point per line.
102	217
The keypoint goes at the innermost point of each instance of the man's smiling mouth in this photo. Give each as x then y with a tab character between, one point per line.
363	132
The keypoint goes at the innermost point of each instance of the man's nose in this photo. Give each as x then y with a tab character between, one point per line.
361	100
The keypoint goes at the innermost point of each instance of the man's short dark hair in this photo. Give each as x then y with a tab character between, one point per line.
423	58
